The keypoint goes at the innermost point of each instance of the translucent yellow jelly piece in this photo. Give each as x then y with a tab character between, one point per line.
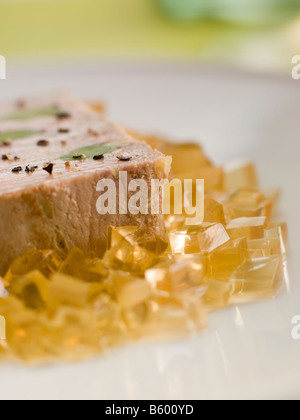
218	293
78	332
248	227
174	222
137	236
186	156
259	248
178	275
240	175
135	318
24	332
248	203
258	278
32	289
126	257
81	267
278	231
213	177
263	210
223	261
193	302
169	317
245	198
213	211
29	341
45	261
117	235
4	350
129	291
198	239
99	268
10	305
70	290
24	264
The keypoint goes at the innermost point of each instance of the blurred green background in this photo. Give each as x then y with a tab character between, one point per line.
255	34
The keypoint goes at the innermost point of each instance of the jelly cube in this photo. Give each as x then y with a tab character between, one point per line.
137	236
178	275
198	239
259	248
218	293
135	318
213	177
187	157
174	222
78	265
168	316
47	262
32	289
245	198
248	227
213	211
69	290
130	292
223	261
126	257
278	231
248	203
257	278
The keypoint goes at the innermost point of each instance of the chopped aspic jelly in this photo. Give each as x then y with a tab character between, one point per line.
213	211
32	289
78	265
257	278
198	239
186	156
169	316
70	290
137	236
46	261
174	222
248	203
218	293
213	177
130	291
248	227
133	249
177	275
147	286
223	261
126	257
259	248
278	231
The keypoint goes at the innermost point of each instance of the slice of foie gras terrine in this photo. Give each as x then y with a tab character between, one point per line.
54	151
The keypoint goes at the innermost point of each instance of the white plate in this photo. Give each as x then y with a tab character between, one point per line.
248	351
